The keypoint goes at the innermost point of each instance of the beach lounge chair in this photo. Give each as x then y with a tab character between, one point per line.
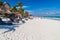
5	22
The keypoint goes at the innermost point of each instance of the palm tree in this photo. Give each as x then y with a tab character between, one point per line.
1	6
26	14
1	3
21	10
20	4
14	9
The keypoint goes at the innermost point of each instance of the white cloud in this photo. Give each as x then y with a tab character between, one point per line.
23	7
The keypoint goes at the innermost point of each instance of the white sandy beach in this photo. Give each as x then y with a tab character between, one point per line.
35	29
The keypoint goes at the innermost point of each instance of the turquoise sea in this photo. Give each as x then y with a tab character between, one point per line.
52	17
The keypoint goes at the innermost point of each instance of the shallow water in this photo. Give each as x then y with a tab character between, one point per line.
53	18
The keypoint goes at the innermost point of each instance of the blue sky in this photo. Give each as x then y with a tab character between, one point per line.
39	7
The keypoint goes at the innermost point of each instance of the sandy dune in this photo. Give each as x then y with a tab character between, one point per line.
35	29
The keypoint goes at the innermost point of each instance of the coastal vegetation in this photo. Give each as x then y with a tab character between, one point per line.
6	10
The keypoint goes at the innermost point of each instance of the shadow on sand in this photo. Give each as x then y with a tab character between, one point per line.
10	27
